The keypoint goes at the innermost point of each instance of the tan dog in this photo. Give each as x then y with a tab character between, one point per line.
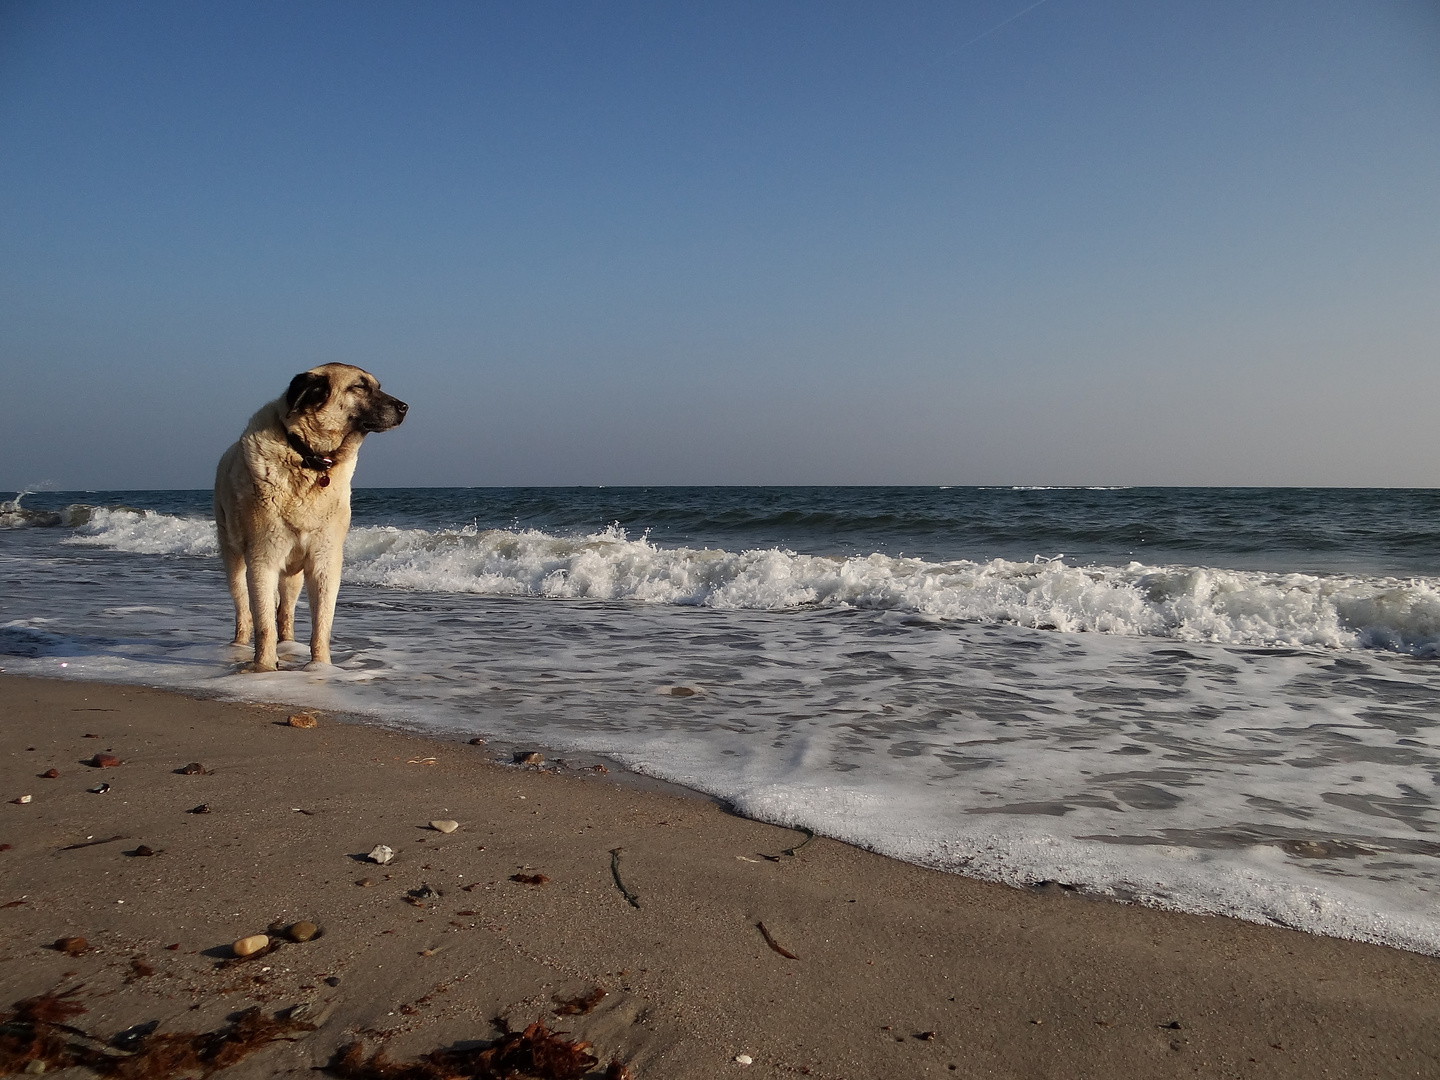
282	504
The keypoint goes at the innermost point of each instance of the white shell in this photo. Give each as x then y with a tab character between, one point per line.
744	1059
381	854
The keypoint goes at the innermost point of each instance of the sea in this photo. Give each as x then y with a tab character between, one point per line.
1221	701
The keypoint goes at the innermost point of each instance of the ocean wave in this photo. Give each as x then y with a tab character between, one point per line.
15	516
143	532
1185	603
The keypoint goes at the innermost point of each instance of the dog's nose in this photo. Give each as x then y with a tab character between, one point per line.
401	407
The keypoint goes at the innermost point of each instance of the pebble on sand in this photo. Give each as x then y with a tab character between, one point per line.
50	774
381	854
303	720
23	799
104	761
445	826
72	946
302	931
248	946
530	757
744	1059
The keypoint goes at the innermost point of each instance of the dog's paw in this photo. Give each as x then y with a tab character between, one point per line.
322	666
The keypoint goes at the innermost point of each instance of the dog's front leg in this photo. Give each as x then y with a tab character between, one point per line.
264	607
322	585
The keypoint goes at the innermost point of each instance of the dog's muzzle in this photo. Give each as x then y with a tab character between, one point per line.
385	413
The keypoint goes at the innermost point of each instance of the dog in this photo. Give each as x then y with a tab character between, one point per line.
282	504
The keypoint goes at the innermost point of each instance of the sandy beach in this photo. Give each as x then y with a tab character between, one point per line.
656	898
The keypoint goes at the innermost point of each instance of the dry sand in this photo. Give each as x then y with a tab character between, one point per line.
899	972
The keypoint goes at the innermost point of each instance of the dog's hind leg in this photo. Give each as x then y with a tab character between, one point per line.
289	598
239	592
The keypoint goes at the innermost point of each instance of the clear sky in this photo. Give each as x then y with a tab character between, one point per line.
1073	242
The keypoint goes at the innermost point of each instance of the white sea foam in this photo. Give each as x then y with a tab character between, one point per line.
143	532
878	700
1183	603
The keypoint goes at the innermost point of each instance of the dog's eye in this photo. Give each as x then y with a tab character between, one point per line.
358	386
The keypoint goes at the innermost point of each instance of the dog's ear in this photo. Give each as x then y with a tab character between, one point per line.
308	390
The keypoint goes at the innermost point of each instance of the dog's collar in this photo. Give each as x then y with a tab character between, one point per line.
321	463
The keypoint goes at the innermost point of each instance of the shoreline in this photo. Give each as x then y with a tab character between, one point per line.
1006	982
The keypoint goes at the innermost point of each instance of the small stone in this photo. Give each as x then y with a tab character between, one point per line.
477	742
72	946
445	826
104	761
599	769
365	882
34	1067
333	980
683	691
98	789
530	757
193	769
144	850
49	774
744	1059
926	1036
249	946
381	854
303	720
23	799
303	931
203	808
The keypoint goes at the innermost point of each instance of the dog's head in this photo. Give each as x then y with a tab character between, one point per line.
340	399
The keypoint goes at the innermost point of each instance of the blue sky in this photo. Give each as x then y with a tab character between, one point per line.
643	243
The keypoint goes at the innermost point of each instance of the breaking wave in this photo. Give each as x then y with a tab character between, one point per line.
1184	603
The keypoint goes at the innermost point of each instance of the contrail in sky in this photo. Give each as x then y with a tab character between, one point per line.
997	26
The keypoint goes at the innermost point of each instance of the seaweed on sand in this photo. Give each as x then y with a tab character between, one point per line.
36	1029
535	1053
202	1053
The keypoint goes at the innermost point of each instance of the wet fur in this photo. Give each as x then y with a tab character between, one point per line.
278	524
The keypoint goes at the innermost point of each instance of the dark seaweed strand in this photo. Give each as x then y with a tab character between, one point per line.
630	898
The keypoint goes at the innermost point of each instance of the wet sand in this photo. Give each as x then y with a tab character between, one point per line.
897	972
